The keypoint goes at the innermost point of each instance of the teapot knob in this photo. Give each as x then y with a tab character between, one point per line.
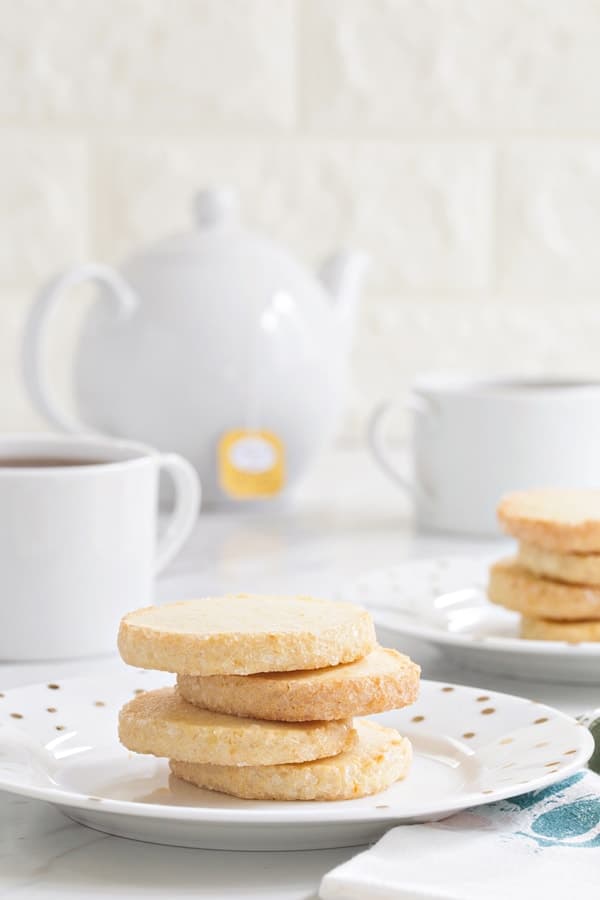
216	207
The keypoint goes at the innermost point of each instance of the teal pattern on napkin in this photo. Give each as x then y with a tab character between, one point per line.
559	818
566	814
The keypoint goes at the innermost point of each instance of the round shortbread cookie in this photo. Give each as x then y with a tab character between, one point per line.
515	588
380	758
162	724
243	634
556	519
385	679
574	568
572	632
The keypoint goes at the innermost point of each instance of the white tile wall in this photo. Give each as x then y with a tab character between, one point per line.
513	336
316	195
548	205
148	65
458	141
44	207
400	67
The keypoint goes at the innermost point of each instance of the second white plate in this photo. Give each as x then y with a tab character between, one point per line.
443	602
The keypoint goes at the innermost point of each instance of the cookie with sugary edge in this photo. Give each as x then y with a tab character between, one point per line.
512	586
161	723
574	568
380	758
385	679
244	634
556	519
571	632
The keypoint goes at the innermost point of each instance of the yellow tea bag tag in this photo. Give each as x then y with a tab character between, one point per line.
251	464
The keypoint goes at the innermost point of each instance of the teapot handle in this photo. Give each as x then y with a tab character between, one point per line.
40	393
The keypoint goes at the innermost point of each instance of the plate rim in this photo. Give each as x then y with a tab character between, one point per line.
412	627
279	815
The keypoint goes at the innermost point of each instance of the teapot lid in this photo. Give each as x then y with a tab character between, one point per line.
219	246
216	214
216	208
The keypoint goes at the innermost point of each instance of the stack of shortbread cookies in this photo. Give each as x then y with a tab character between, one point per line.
267	688
554	581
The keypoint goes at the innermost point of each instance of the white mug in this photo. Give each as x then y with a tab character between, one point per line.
474	440
78	547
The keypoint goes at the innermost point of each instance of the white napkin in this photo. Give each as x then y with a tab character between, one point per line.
545	844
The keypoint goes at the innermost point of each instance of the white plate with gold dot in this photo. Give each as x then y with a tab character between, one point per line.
58	743
443	601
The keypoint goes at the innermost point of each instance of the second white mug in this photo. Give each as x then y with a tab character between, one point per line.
474	440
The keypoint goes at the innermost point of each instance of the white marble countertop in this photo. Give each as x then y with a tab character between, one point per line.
347	521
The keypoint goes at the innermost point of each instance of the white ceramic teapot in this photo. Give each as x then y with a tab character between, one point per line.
215	344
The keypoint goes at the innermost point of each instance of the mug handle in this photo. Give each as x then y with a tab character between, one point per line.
188	494
41	395
377	440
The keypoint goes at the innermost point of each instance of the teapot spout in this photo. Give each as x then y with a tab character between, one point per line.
343	275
